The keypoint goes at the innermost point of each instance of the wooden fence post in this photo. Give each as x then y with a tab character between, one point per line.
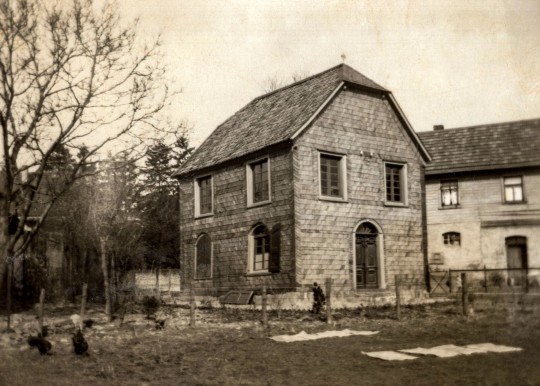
464	294
191	305
83	305
485	279
264	299
451	284
329	318
398	297
40	310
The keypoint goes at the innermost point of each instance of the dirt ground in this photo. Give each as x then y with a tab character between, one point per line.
230	347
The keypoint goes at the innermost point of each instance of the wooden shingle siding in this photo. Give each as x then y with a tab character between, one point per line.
355	124
230	225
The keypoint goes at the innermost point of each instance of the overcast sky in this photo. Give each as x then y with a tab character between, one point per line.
457	63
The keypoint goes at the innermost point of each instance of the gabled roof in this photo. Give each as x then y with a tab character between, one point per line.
484	147
276	117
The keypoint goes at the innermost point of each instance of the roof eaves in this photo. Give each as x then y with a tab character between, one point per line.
409	128
316	114
435	170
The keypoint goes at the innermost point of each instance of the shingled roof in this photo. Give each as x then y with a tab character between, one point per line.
272	118
484	147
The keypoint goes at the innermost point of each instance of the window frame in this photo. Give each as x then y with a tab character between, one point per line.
451	242
250	182
252	252
197	196
404	184
504	186
211	257
342	177
441	202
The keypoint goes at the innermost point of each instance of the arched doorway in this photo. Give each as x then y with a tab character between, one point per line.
367	256
516	256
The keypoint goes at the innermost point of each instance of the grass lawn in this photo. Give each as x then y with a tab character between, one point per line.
229	347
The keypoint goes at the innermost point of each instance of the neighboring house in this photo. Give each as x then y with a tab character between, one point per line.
319	179
483	196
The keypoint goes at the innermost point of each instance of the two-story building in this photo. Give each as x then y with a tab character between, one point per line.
320	179
483	196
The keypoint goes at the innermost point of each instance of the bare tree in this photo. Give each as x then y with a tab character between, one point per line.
275	82
112	220
71	77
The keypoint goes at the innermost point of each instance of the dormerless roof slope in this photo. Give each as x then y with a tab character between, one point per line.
484	147
273	118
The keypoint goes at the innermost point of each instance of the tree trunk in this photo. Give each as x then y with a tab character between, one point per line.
4	241
106	282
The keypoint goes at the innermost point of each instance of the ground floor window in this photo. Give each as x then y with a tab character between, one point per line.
264	249
203	257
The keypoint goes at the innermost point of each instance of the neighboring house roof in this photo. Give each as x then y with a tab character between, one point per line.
484	147
277	117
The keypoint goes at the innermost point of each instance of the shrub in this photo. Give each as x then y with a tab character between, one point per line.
497	279
150	306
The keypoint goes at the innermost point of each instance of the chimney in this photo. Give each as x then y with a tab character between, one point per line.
438	127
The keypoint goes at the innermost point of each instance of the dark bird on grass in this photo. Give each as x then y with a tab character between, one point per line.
42	344
80	345
160	324
88	323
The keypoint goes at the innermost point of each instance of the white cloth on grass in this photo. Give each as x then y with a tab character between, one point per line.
389	355
450	350
303	336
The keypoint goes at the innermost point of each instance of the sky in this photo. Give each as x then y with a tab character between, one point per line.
456	63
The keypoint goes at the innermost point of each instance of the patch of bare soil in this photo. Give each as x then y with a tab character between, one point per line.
230	347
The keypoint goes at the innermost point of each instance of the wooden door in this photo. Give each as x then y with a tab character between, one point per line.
367	272
516	255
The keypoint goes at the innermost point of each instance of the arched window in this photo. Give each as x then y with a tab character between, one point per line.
264	249
452	238
203	257
260	249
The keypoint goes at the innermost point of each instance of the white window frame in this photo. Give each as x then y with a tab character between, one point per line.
404	184
522	201
249	182
251	251
449	206
197	196
343	175
211	258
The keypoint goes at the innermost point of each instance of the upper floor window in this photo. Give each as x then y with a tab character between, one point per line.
513	189
258	182
449	193
332	176
203	196
452	238
396	183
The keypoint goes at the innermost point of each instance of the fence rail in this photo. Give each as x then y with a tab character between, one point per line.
496	279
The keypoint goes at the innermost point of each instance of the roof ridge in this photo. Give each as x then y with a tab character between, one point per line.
296	83
479	126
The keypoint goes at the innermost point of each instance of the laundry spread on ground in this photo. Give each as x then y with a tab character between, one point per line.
443	351
303	336
389	355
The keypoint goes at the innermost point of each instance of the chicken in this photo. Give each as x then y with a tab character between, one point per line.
80	345
160	324
42	344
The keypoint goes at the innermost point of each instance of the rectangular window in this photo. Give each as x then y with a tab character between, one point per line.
332	175
258	182
396	183
449	193
513	189
203	196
